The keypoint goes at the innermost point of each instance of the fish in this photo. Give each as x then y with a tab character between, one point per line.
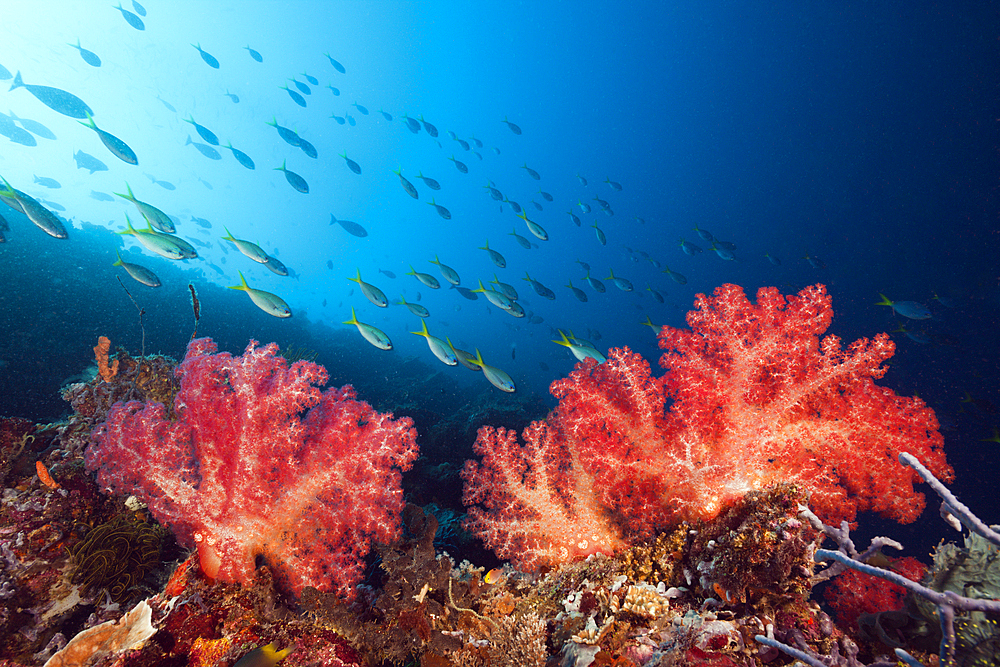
535	228
690	248
371	334
583	265
583	181
51	204
303	88
537	205
117	147
595	284
581	352
235	99
909	309
88	162
583	206
429	182
164	245
459	165
290	136
410	190
251	250
272	304
441	210
600	234
441	349
425	278
464	357
202	222
656	295
203	181
771	258
617	187
166	185
351	228
603	204
412	124
294	179
505	289
170	107
723	252
573	217
101	196
513	128
154	216
139	273
531	172
514	206
47	182
139	9
241	157
336	65
351	164
4	73
308	148
385	115
361	109
33	126
464	144
209	59
15	133
254	54
372	293
414	308
497	258
335	91
339	119
495	194
815	262
350	120
704	234
203	131
619	282
540	289
311	79
450	274
387	273
577	292
204	149
298	99
676	277
89	57
494	375
428	128
56	99
465	293
131	18
523	242
43	218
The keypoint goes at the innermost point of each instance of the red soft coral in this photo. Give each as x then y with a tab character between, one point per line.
757	399
242	474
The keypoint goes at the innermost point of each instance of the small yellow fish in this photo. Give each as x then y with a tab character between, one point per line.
371	334
264	656
494	576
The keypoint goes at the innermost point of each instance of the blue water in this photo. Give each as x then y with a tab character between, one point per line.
864	136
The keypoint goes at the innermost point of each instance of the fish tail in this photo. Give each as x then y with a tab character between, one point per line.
17	81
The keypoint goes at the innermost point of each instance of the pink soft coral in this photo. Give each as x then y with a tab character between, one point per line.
757	399
241	473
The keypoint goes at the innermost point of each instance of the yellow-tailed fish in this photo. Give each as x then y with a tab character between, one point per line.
264	656
154	216
251	250
371	334
497	377
272	304
43	218
581	352
140	273
440	348
464	358
163	245
450	274
534	227
425	278
372	293
414	308
496	298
